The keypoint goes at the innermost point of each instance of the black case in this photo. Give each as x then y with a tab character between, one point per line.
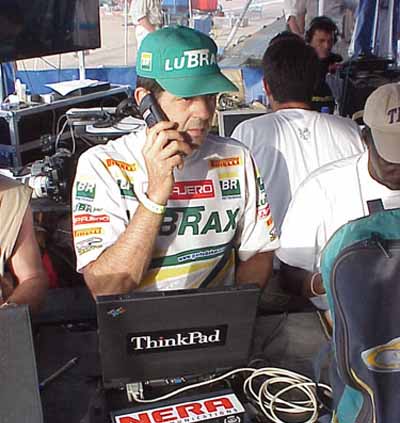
19	385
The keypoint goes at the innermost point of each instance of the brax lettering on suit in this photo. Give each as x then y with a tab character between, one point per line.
190	59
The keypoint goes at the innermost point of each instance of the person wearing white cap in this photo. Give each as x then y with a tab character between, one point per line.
337	193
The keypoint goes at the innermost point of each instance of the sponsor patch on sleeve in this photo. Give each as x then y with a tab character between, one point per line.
228	162
128	167
89	244
89	231
86	218
126	189
85	190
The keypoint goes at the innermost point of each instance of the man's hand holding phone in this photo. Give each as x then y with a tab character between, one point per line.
164	150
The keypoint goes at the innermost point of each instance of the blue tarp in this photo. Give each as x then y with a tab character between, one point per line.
36	80
8	77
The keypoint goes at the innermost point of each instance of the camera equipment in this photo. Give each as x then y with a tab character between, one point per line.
50	177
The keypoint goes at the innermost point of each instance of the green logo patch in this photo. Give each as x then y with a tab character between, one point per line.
85	190
146	61
230	187
126	189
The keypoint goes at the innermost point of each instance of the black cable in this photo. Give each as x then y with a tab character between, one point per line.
273	334
53	125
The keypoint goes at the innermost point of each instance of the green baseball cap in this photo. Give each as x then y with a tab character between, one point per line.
183	61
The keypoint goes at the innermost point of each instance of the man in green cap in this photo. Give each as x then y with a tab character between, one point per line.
171	206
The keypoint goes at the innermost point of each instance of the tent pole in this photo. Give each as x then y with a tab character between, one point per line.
126	31
391	27
236	26
191	23
321	6
82	69
375	27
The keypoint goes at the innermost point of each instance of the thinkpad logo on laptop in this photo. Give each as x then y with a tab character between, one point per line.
180	339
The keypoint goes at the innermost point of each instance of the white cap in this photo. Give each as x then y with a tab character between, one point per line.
382	115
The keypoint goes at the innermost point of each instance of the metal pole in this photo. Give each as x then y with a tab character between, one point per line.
375	27
191	23
391	26
82	69
126	31
2	85
321	7
236	26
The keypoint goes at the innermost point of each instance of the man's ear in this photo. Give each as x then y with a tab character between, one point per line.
140	92
267	89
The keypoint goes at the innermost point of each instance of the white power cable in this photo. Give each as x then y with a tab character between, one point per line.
59	135
195	385
269	401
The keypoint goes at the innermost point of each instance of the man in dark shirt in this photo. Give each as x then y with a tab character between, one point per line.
322	36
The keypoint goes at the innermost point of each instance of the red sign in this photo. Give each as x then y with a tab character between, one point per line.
193	189
84	219
194	411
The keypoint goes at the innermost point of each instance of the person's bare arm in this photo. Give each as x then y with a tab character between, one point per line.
145	23
121	267
301	22
26	267
298	281
293	25
257	269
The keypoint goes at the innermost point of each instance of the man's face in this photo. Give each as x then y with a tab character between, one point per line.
193	114
322	42
386	173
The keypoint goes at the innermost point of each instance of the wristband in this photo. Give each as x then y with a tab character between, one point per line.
312	285
151	205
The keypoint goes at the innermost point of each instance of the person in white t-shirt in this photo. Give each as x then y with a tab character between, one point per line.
307	10
338	193
147	16
291	142
290	12
170	206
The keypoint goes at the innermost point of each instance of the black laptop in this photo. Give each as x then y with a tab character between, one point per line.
147	336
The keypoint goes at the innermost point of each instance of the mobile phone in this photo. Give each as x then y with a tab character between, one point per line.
151	111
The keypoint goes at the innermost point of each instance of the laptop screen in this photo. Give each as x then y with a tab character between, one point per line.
155	335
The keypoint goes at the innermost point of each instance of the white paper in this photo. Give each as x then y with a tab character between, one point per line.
66	87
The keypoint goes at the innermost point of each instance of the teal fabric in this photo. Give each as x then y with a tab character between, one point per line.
349	406
385	222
